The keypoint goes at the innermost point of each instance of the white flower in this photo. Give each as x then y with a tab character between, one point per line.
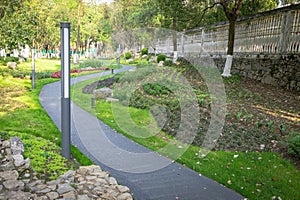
235	156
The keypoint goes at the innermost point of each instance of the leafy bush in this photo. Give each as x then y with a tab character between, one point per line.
144	51
168	63
9	59
294	143
161	57
91	63
19	74
41	75
155	89
128	55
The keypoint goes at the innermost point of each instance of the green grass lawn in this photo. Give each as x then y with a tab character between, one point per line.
42	65
256	175
21	114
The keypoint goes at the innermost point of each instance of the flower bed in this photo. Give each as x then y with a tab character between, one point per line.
74	71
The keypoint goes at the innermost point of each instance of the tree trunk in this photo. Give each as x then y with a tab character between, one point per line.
78	33
230	46
231	35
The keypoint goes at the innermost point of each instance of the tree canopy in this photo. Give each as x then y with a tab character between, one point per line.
36	22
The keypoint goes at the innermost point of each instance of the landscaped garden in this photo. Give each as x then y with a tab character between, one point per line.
257	153
22	115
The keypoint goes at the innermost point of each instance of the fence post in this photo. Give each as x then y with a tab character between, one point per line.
202	38
286	25
182	43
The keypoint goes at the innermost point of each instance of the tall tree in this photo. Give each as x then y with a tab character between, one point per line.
17	23
175	15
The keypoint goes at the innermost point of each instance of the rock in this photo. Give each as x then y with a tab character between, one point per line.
129	60
12	65
83	197
101	174
7	166
102	93
69	195
20	195
94	169
44	191
89	178
82	170
16	146
27	163
5	144
108	99
19	160
54	182
100	181
123	189
112	181
52	187
64	188
89	182
160	64
144	56
52	195
9	175
42	198
68	174
267	79
13	184
125	196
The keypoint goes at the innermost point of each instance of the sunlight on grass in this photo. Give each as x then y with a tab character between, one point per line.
41	65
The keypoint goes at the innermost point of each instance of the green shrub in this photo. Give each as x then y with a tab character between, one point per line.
44	155
91	63
41	75
144	51
128	55
155	89
9	59
294	143
161	57
168	63
19	74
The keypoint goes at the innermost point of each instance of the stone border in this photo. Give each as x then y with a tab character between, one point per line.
18	180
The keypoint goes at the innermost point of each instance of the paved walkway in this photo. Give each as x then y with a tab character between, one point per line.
148	175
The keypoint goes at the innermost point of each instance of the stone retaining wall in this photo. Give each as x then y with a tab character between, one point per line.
277	70
18	180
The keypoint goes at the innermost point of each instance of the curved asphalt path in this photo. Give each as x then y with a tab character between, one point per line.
169	183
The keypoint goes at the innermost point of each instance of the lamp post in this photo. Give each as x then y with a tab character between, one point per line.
65	89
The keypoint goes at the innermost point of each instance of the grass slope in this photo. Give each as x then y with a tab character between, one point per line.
256	175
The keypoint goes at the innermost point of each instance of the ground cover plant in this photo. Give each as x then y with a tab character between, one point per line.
248	156
21	114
